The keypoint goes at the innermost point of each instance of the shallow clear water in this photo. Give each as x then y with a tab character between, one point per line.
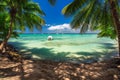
66	47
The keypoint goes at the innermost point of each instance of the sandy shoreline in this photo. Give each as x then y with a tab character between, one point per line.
50	70
36	69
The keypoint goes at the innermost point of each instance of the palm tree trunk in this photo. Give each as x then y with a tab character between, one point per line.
4	42
115	16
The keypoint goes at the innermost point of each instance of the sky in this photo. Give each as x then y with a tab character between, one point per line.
55	20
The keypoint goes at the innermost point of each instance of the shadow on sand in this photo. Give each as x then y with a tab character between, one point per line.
47	69
109	50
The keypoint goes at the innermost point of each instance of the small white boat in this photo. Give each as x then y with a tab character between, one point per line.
50	38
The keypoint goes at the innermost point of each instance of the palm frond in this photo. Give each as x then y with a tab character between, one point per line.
52	2
83	16
33	7
73	7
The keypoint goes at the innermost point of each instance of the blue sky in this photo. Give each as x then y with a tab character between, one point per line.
53	13
53	17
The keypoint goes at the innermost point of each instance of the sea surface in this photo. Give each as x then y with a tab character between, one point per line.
66	47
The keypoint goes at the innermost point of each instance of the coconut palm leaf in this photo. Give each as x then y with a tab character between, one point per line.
52	2
73	7
89	14
102	15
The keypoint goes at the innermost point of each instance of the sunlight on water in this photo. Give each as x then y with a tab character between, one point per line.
66	47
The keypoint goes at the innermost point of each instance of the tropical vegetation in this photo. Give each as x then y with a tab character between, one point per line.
17	15
102	15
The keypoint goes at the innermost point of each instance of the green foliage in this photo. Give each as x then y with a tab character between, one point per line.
4	22
29	16
107	32
24	13
4	25
93	15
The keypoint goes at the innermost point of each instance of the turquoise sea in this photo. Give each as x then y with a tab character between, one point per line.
66	47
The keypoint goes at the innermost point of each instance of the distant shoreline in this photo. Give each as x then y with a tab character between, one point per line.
59	33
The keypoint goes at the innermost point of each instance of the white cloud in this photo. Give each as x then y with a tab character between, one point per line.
65	28
62	28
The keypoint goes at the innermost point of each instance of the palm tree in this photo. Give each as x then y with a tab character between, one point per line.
4	23
95	14
22	13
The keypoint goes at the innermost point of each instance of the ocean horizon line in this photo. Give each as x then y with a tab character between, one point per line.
58	33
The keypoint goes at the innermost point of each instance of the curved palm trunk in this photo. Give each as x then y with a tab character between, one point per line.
4	42
116	20
12	15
